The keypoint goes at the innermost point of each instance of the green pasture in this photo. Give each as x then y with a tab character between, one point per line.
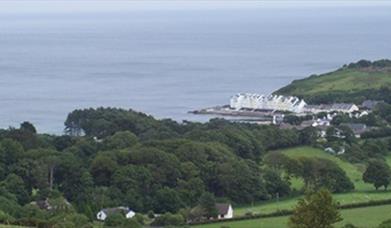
366	217
340	80
363	192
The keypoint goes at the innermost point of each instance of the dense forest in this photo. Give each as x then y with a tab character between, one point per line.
112	157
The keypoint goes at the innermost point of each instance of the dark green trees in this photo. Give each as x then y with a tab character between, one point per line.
207	203
377	173
316	173
321	173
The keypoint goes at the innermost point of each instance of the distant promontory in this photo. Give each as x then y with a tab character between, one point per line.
354	82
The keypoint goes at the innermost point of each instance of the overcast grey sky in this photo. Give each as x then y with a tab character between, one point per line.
110	5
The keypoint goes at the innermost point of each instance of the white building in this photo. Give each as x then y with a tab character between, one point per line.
104	213
271	102
321	122
338	107
224	210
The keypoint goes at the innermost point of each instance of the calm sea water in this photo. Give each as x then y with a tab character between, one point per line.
167	62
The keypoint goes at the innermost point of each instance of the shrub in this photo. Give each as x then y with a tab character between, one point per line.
169	219
116	220
151	215
131	223
385	224
139	218
6	218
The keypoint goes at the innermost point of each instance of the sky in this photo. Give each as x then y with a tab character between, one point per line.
31	6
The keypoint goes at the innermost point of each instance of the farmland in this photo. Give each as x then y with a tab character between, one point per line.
363	192
362	217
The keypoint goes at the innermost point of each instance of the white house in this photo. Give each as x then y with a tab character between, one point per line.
102	214
224	210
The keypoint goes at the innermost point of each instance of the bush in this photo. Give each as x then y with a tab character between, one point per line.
6	218
115	220
70	220
131	223
151	215
385	224
169	219
139	218
118	220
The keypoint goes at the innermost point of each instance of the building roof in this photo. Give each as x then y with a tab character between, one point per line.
369	104
222	208
355	126
329	107
114	210
342	106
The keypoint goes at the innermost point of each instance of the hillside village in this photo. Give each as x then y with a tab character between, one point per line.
294	113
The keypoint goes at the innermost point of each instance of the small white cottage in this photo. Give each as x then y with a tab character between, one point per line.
104	213
224	210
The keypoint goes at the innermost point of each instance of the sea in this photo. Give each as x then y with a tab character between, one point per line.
166	58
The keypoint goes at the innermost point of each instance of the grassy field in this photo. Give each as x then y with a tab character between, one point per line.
367	217
347	80
363	193
354	171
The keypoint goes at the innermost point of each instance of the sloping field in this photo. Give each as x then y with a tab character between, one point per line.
366	217
346	80
354	171
364	192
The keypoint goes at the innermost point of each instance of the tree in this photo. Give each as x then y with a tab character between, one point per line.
276	160
208	204
320	173
10	151
120	140
274	184
308	136
102	168
167	200
377	173
28	127
316	210
15	185
51	163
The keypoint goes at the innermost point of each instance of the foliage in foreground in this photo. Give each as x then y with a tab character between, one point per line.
315	210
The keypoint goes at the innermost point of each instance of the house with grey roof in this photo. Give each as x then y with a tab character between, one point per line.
369	104
224	210
357	128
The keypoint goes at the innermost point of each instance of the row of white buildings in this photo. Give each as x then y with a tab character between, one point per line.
285	103
271	102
